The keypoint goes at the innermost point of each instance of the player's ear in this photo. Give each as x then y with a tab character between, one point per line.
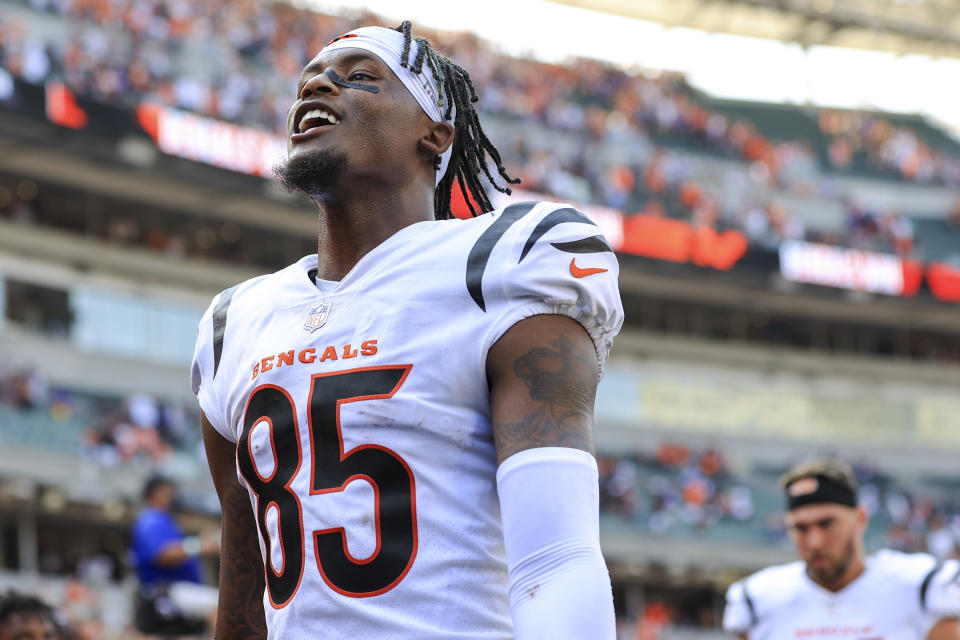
862	517
437	139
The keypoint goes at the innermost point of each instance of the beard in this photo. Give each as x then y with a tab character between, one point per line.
314	174
832	573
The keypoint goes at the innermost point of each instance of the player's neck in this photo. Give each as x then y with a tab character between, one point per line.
854	571
354	223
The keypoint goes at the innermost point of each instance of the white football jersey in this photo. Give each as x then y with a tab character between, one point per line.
361	414
899	596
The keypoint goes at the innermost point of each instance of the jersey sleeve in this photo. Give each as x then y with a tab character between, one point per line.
738	614
940	592
558	262
203	370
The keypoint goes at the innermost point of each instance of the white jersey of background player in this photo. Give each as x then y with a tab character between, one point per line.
410	422
833	591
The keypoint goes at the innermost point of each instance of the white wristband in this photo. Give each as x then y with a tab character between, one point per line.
191	546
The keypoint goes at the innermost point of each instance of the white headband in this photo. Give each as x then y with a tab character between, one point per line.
387	45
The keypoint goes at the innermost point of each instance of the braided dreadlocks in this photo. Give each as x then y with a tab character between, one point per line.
471	146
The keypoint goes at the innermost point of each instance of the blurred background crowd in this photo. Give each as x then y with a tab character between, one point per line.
642	142
613	136
139	429
674	490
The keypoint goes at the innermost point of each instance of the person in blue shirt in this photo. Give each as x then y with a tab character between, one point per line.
172	595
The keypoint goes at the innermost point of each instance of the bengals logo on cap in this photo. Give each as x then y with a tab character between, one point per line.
803	487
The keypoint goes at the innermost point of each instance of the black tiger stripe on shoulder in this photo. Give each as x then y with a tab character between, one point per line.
220	324
549	221
483	247
925	585
752	607
593	244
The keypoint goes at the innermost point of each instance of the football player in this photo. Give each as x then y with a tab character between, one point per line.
399	427
834	591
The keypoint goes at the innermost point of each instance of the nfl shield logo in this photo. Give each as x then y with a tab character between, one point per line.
317	317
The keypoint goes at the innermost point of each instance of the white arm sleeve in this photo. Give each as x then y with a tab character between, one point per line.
559	585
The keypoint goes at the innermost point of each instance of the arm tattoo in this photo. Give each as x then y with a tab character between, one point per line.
240	613
564	380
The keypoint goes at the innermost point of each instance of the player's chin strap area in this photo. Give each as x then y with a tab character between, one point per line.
559	585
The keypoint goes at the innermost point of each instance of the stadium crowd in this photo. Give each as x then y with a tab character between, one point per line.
139	429
677	490
608	137
121	51
142	428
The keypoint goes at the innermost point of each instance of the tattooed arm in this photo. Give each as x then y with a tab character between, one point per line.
240	611
543	378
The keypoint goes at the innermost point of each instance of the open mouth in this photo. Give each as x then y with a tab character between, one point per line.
316	118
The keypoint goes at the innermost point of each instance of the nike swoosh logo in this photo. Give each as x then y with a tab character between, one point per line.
577	272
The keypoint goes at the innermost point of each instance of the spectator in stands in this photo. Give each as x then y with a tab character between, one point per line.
142	429
953	218
29	389
172	597
24	617
609	120
673	489
617	486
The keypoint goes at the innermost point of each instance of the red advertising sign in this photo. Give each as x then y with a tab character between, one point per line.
944	281
679	241
211	141
62	107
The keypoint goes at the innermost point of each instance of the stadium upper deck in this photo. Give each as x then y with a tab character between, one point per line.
916	27
631	142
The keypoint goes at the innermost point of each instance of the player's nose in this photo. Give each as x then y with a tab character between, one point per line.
814	540
319	84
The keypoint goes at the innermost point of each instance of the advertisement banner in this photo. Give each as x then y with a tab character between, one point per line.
852	269
215	142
